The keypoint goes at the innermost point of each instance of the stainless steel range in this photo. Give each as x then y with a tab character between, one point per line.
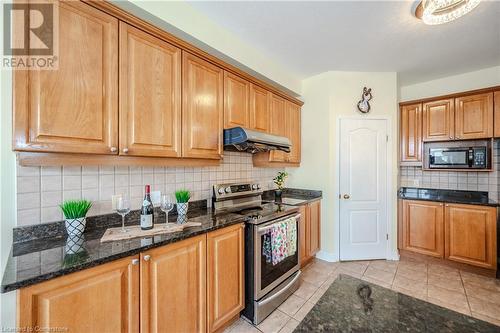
269	280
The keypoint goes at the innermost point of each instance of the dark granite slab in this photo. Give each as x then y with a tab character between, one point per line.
353	305
41	259
450	196
293	196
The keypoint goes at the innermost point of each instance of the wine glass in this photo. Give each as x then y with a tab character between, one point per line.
123	208
166	205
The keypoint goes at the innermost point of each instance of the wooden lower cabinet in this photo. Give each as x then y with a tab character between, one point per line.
423	227
226	275
309	231
457	232
471	235
173	287
99	299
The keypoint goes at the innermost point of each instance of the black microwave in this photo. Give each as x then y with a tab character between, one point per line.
459	157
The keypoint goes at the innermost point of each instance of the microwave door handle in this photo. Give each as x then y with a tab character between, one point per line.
431	159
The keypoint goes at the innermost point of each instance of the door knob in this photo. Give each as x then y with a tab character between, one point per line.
135	261
113	149
346	196
125	150
147	257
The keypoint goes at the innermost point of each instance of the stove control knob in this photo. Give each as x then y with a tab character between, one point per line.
228	189
258	186
220	190
255	186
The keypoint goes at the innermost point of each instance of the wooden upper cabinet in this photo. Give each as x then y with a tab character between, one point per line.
150	95
226	275
496	120
72	109
202	111
278	125
411	133
260	103
423	227
236	101
474	116
471	235
438	120
294	132
314	216
173	287
99	299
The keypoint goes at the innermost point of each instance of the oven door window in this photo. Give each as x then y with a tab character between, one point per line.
269	272
449	157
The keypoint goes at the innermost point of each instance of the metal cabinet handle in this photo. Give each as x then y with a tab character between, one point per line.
125	150
113	149
147	257
451	137
346	196
135	261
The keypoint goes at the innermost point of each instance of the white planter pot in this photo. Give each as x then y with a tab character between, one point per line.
75	227
182	208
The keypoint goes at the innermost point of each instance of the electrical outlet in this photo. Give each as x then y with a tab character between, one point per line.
114	200
416	182
155	198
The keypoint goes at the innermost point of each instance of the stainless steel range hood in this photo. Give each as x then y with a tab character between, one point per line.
245	140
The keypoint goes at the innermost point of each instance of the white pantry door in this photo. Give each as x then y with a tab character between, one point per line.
363	189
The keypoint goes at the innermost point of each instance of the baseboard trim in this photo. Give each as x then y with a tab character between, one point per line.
327	256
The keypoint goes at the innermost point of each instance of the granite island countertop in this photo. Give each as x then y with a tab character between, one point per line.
40	259
449	196
353	305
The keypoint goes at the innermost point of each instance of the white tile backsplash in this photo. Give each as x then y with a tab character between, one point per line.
469	181
40	190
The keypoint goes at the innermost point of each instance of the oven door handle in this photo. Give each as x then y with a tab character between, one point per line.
265	228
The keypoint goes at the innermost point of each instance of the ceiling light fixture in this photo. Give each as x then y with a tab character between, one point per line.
443	11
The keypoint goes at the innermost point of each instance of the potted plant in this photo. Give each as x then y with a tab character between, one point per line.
182	197
279	180
74	214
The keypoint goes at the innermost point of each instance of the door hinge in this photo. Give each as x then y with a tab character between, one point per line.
387	236
386	138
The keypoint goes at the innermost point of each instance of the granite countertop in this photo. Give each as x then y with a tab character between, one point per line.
353	305
40	259
293	196
450	196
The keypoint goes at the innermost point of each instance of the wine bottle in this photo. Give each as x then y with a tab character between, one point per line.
147	218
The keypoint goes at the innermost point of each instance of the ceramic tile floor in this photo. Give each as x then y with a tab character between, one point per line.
464	292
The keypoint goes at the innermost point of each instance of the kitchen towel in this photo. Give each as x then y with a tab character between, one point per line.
279	242
291	236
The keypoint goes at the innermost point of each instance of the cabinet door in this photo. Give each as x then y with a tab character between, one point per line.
99	299
471	235
423	227
411	133
439	120
315	227
236	101
202	111
225	278
260	104
279	125
150	95
73	109
173	287
496	101
294	132
474	116
303	239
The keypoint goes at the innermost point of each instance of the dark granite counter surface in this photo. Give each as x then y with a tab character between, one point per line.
450	196
39	259
293	196
353	305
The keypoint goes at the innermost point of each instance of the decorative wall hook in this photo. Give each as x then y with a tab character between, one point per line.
366	96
